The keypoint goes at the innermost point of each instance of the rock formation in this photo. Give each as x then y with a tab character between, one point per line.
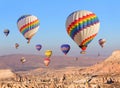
105	74
6	74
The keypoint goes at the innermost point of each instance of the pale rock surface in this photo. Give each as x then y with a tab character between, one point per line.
6	73
111	65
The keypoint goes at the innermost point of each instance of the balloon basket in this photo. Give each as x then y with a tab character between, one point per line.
83	52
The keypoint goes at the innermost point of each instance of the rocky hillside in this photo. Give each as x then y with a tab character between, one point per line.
115	57
105	74
6	73
110	65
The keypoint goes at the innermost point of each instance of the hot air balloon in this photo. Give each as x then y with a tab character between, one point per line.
6	32
76	59
102	42
38	47
98	54
82	26
28	25
46	61
65	48
23	60
16	45
48	53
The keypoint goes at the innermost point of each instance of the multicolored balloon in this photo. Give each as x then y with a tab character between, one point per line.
46	61
28	25
82	26
6	32
102	42
65	48
38	47
23	60
16	45
48	53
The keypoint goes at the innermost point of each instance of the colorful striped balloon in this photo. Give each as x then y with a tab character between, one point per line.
102	42
28	25
82	26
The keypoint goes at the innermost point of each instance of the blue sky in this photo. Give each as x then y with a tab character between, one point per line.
52	32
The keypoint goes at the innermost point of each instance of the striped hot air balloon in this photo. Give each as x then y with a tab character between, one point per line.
28	25
102	42
82	26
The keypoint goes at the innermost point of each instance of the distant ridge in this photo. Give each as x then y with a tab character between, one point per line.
37	61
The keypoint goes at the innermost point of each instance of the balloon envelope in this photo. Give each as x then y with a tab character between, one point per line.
46	61
102	42
6	32
82	26
48	53
65	48
28	25
38	47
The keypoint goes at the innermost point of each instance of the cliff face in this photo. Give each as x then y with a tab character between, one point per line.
110	65
115	57
6	74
